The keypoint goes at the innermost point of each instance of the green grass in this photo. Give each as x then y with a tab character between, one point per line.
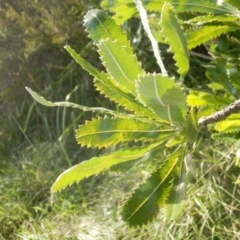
89	210
38	143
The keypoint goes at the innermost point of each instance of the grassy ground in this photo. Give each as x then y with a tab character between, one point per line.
38	143
89	210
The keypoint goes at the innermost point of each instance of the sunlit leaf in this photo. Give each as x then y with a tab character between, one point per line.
125	9
110	131
86	65
199	98
99	164
200	20
206	33
156	92
124	12
109	89
101	26
107	86
228	126
120	64
191	6
175	38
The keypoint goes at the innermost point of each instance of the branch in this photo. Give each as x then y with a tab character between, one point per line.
220	115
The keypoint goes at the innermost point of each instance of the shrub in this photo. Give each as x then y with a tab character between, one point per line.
156	118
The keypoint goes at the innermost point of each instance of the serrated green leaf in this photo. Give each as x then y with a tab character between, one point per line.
126	166
191	6
124	10
198	98
98	164
220	75
110	131
200	20
113	4
176	200
122	66
228	126
143	205
198	36
108	88
106	85
163	96
86	65
175	38
101	26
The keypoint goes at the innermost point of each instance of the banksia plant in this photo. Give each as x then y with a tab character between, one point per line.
158	112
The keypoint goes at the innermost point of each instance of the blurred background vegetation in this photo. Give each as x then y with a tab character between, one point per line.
38	143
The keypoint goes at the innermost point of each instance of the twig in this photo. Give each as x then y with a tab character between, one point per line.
220	115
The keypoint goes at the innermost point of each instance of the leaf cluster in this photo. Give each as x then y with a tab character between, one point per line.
158	111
